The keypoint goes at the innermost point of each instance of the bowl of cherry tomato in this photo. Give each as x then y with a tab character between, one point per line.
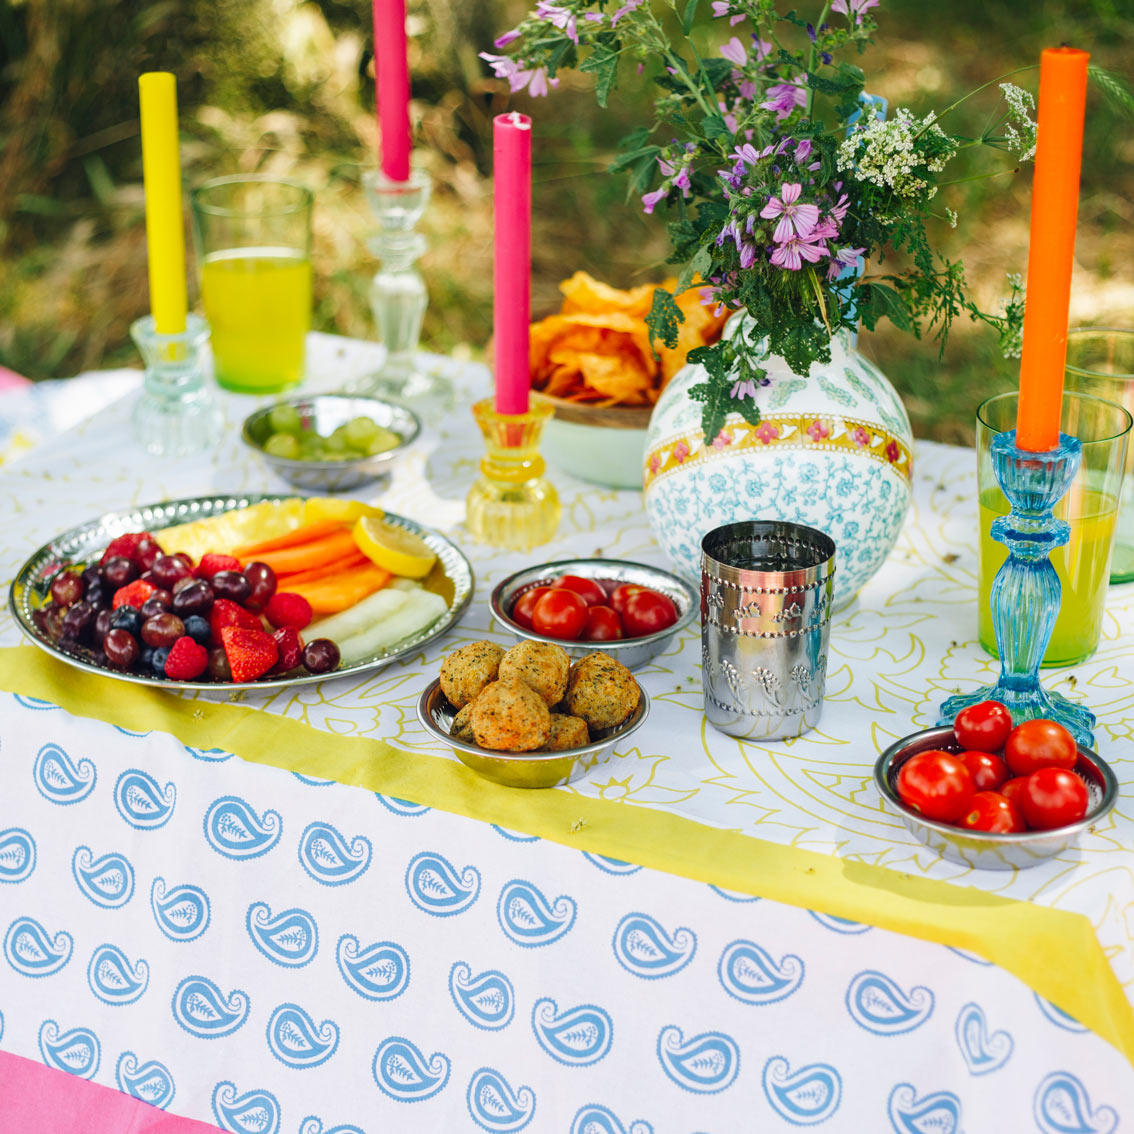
628	610
995	796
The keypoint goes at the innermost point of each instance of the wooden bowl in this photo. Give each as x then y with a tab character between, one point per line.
601	444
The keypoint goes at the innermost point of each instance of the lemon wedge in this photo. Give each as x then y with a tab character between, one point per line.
317	508
397	550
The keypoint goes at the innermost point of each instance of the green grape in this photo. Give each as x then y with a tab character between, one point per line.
285	419
337	442
283	445
312	447
382	442
359	432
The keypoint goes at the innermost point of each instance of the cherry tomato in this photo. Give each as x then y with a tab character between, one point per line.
1011	789
602	625
587	589
1053	797
647	612
559	614
937	784
990	811
1039	744
621	593
984	727
523	606
988	771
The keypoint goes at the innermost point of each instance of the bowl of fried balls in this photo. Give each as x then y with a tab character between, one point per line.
530	716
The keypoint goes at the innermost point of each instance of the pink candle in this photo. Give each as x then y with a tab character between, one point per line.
512	187
392	89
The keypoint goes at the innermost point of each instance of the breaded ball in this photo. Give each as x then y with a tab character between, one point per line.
540	665
468	671
510	716
567	732
602	691
461	729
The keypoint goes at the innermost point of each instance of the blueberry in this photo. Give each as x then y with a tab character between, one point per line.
157	662
127	618
146	658
198	629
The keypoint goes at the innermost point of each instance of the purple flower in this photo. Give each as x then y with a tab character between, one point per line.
791	253
665	166
742	390
826	229
735	52
681	181
745	153
747	254
840	210
508	37
629	7
651	199
857	8
843	259
794	218
537	81
802	151
562	18
761	48
783	98
593	17
722	8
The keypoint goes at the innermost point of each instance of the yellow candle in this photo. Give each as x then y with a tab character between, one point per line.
165	229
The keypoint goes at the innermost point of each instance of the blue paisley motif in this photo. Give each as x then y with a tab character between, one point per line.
113	979
297	1041
981	1052
877	1004
255	1112
1057	1016
34	703
182	913
1062	1106
379	972
151	1082
209	755
34	952
233	828
611	865
403	1073
938	1113
142	802
805	1097
435	886
312	781
975	958
401	806
328	858
839	924
204	1011
594	1119
493	1104
313	1125
291	938
751	975
58	778
705	1064
485	1000
577	1036
733	895
528	919
17	854
644	948
514	836
108	881
77	1052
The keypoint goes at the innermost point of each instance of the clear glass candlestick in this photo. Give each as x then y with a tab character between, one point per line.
397	293
1026	592
512	505
176	413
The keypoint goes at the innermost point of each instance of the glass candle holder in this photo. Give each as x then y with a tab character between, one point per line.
175	415
512	505
1100	362
1089	509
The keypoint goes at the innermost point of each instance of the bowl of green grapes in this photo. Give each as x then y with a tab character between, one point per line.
330	442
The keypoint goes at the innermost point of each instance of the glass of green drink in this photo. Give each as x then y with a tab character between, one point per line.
253	238
1090	507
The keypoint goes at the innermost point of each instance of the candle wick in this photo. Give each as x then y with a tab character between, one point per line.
519	121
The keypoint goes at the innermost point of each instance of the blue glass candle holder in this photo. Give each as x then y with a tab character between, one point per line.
1026	592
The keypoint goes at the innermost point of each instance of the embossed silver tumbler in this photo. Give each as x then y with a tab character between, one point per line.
766	590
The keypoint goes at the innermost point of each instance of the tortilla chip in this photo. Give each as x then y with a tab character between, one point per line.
586	295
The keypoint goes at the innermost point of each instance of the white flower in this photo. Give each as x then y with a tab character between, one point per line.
893	153
1021	127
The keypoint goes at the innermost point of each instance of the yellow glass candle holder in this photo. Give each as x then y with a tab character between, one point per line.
512	505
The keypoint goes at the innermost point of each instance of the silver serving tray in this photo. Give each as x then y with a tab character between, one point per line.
988	850
32	584
631	652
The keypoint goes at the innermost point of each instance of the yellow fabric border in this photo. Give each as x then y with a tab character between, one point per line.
1055	952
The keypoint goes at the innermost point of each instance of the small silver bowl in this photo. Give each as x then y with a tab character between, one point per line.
986	850
631	652
525	769
324	413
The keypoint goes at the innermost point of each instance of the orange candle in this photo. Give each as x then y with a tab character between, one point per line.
1055	207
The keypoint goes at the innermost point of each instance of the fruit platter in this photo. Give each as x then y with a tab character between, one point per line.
224	593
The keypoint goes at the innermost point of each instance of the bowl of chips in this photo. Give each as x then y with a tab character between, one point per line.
594	362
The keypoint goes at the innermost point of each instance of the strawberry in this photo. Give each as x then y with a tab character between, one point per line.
290	646
187	660
211	563
250	653
288	609
225	612
133	594
125	545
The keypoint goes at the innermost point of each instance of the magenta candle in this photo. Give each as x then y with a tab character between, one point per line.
512	189
392	89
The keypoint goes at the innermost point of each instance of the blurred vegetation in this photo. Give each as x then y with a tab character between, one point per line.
286	87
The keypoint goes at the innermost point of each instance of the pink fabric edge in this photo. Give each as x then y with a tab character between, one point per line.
10	380
42	1100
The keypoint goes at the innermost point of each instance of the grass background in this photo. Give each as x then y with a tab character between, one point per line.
286	87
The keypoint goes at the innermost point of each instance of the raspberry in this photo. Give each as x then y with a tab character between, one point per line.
125	545
250	653
225	612
187	660
133	594
287	609
290	646
210	564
